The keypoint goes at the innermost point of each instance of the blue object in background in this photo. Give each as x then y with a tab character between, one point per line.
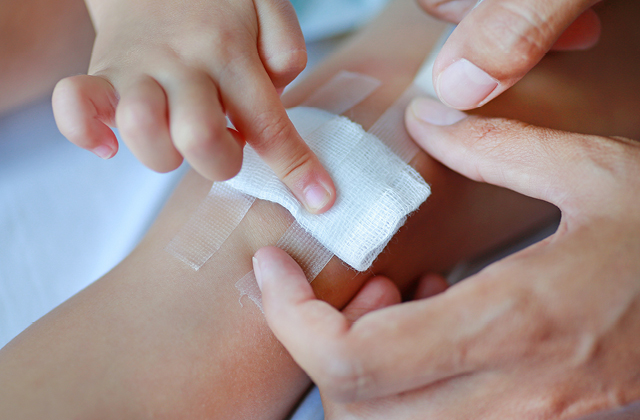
326	18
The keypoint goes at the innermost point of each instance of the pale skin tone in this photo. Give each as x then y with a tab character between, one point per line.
166	73
155	339
548	333
34	34
497	42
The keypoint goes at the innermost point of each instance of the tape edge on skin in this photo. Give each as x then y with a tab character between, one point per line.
363	87
312	261
219	198
400	222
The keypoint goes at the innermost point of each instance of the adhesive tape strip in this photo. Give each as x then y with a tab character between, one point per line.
310	255
390	129
344	91
376	189
424	76
206	230
224	208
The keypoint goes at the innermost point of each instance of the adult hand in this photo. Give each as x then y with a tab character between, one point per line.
498	41
550	332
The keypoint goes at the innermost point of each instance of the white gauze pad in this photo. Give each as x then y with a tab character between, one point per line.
376	189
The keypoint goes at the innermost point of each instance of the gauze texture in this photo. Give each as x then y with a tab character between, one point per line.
376	189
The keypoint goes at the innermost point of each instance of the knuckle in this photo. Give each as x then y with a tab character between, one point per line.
287	65
342	377
495	138
271	129
612	162
519	32
225	44
274	135
136	119
196	137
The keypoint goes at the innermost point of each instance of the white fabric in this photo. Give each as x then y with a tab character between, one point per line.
66	216
376	189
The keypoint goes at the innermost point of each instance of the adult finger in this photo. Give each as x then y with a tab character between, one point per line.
84	107
256	111
496	44
392	350
307	327
555	166
280	41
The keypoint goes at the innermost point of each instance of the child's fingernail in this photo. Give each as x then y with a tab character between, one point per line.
256	271
316	197
464	85
433	112
104	151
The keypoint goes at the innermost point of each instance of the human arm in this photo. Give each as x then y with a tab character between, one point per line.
154	336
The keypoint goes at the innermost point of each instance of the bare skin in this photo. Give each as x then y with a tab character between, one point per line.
154	338
34	35
547	333
167	73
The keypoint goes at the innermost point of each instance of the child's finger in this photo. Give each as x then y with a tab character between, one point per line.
198	126
280	43
84	107
141	117
256	111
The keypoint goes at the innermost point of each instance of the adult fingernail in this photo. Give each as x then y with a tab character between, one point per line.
433	112
464	85
256	271
316	197
104	151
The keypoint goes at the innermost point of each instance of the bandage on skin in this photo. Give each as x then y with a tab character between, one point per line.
376	187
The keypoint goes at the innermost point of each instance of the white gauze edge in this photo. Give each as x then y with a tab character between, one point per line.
376	189
310	255
202	235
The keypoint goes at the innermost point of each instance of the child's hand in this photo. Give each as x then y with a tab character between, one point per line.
165	73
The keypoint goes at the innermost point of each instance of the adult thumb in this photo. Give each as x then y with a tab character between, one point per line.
499	41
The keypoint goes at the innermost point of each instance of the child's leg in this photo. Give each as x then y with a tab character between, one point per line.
154	338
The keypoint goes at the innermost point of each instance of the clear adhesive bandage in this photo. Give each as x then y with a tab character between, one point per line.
376	187
310	255
205	233
206	230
